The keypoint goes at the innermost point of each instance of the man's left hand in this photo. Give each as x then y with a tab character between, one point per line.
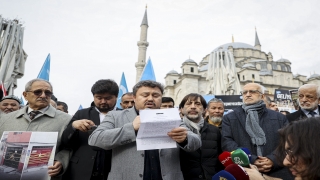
264	164
55	169
178	134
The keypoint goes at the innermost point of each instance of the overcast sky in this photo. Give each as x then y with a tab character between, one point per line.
92	40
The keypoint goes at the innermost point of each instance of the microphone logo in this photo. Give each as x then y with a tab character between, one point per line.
222	178
224	161
237	160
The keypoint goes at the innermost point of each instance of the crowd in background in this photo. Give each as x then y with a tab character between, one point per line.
99	142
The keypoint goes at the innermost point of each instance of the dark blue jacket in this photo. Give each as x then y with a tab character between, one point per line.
234	136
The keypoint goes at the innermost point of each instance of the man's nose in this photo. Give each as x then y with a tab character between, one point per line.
150	98
43	94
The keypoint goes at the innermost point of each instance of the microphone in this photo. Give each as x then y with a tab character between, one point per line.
225	158
240	157
247	151
237	172
223	175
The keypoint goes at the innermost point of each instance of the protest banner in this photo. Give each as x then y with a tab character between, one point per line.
283	99
26	155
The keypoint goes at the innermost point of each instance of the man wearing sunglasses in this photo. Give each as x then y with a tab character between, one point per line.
255	127
90	163
39	115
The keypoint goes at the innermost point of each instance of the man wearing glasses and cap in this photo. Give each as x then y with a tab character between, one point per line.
9	104
255	127
38	115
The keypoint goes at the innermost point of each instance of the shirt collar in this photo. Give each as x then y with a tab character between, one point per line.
307	112
43	110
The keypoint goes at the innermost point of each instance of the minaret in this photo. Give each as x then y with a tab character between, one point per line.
257	44
142	44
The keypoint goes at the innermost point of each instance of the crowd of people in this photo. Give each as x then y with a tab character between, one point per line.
99	142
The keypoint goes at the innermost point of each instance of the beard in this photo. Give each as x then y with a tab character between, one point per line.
215	119
312	106
105	109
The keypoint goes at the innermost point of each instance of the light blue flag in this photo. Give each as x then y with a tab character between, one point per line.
208	97
45	70
80	107
122	89
148	72
22	102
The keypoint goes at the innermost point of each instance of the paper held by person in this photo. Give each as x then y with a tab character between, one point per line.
154	126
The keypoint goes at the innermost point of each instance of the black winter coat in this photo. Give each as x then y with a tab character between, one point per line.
203	163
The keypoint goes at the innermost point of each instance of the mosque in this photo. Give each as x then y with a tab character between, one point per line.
243	63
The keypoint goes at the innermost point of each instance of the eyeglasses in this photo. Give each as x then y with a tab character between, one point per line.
250	92
39	92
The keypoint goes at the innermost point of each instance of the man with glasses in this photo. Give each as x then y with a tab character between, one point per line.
255	127
38	115
309	99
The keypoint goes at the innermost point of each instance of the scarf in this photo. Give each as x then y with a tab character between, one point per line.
253	128
194	127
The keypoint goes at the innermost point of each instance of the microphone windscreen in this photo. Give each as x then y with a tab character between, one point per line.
247	151
240	157
223	175
237	172
225	158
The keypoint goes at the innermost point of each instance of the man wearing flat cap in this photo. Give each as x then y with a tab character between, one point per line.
9	104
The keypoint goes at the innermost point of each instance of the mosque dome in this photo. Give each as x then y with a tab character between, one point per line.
189	61
248	65
314	76
284	60
172	72
235	45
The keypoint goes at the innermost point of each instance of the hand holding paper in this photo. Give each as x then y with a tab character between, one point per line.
178	134
55	169
136	123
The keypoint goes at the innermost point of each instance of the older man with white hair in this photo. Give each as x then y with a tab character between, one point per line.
255	127
309	99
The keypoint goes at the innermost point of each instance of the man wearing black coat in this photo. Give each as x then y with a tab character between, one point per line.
255	127
203	163
90	163
309	99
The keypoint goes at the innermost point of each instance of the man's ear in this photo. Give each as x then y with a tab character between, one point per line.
24	94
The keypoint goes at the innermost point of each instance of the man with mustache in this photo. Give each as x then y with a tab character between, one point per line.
9	104
215	111
203	163
38	115
309	99
87	163
255	127
118	132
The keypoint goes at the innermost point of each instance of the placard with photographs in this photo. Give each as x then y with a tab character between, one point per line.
26	155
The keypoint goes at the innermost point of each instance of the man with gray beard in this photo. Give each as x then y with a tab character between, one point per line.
309	99
215	112
203	163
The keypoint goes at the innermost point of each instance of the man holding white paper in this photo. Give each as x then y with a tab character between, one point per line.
118	132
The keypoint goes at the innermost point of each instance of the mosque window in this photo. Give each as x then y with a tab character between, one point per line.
243	77
239	76
191	69
174	81
252	76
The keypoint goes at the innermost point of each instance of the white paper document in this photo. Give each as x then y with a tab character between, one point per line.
154	127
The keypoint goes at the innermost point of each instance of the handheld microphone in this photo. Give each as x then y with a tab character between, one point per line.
240	157
237	172
225	158
223	175
247	151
